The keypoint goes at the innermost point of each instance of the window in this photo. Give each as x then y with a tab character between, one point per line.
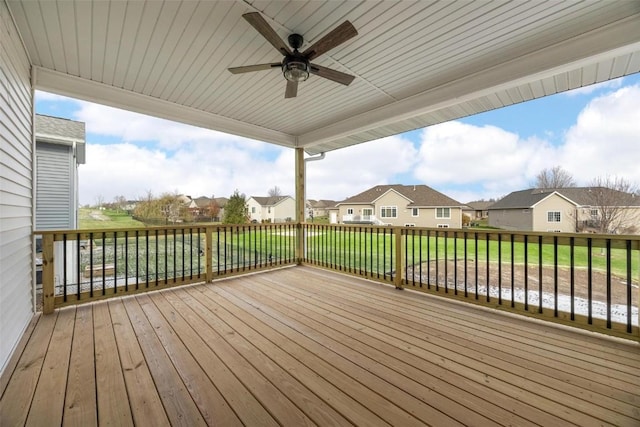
253	209
443	212
350	211
553	216
415	212
388	212
443	225
594	213
409	225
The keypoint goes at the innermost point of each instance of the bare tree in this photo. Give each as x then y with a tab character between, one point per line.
556	177
99	201
275	191
611	199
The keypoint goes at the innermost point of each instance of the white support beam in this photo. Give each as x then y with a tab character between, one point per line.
76	87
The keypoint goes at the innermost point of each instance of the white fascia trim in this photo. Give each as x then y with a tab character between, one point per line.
610	41
76	87
387	192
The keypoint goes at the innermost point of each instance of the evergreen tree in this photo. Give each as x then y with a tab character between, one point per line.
235	212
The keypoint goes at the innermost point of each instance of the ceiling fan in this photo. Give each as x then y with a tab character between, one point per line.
296	65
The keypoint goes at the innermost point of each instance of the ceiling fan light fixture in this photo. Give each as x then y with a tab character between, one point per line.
295	70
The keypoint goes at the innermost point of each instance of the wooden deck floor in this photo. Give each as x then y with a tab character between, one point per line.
302	346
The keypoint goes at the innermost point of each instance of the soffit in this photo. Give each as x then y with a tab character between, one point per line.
416	63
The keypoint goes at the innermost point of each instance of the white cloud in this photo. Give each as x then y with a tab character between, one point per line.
351	170
605	138
455	156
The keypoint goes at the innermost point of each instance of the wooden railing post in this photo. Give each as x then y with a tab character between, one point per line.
48	288
208	253
399	258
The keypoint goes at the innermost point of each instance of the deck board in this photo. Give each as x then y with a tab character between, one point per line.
306	346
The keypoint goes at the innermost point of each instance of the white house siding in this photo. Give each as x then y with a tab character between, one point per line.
16	188
54	182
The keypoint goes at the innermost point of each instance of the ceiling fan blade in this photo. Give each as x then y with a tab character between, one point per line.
292	89
333	38
262	26
330	74
258	67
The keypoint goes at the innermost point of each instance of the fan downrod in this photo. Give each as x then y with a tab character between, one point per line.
295	41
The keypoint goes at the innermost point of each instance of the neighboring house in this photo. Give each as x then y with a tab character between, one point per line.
317	208
477	210
222	203
60	148
566	210
271	209
403	205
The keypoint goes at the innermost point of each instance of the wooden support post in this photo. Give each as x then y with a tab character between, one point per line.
300	195
208	253
48	288
399	261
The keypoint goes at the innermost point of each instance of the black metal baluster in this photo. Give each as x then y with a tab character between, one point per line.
115	262
555	276
475	240
166	256
526	291
175	256
446	261
437	262
629	283
146	256
104	263
572	282
156	256
428	259
500	270
608	283
466	256
488	296
137	260
590	279
91	264
526	270
540	274
455	263
64	267
78	259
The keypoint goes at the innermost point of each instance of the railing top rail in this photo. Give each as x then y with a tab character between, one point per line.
161	227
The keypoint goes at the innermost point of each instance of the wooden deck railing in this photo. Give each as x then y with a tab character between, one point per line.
590	281
79	266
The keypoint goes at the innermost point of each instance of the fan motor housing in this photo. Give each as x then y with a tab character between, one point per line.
295	41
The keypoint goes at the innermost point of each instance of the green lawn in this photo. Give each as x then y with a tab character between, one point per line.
96	219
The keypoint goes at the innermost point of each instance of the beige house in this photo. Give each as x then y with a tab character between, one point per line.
316	208
567	210
403	205
271	209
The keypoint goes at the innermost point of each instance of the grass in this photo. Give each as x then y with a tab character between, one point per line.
96	219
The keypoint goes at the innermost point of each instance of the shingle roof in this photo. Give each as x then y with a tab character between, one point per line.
419	195
581	196
58	128
479	206
269	200
319	204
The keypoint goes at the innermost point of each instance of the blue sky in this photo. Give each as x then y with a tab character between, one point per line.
590	132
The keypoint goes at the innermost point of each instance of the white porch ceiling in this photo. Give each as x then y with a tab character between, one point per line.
416	63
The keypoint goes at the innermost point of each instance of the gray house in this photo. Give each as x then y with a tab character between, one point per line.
567	210
60	148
